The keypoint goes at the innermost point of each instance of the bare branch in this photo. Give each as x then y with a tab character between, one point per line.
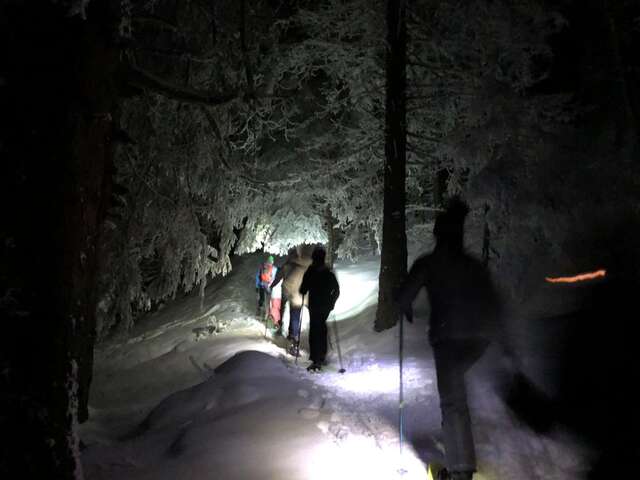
148	81
156	22
204	57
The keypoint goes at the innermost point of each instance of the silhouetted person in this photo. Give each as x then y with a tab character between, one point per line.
323	289
463	320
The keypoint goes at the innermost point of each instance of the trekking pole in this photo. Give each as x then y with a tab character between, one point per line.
401	393
299	330
335	327
267	309
401	470
265	326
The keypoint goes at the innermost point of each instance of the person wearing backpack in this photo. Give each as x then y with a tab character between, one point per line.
264	276
289	275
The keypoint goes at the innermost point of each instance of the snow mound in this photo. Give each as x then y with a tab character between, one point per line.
239	422
246	377
252	363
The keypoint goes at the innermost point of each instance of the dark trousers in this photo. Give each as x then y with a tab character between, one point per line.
282	304
318	335
294	321
453	359
261	295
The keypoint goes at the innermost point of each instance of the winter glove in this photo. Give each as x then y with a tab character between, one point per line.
408	314
406	311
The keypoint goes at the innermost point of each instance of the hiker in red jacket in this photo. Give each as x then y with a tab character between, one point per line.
264	276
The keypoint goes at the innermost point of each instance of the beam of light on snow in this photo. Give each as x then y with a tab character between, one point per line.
578	278
356	457
358	290
375	379
372	379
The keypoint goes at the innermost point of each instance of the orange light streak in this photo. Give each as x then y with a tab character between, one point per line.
577	278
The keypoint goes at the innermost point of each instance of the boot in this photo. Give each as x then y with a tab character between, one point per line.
314	367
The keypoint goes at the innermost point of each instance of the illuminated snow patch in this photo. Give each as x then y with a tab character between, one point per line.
375	379
362	457
358	290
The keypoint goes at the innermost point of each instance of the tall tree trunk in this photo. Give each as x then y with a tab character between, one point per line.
628	131
440	187
393	261
330	222
88	186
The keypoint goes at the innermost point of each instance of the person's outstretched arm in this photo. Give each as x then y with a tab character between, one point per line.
335	290
306	282
409	289
278	277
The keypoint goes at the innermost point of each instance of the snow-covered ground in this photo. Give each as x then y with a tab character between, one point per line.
176	401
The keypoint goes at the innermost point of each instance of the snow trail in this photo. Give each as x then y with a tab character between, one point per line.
182	400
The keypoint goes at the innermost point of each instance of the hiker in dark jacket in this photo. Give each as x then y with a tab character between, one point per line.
464	314
322	287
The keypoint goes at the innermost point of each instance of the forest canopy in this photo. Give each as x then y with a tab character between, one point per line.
253	125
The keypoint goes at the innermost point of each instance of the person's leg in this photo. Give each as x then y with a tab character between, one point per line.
294	322
313	333
260	297
322	334
283	301
294	330
456	422
318	335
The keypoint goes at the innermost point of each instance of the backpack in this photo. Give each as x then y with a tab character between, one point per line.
265	272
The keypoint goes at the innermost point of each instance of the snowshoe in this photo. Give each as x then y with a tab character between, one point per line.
436	471
293	350
314	368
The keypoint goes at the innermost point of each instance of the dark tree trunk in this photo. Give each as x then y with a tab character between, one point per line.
628	131
393	261
440	187
56	105
87	189
330	222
